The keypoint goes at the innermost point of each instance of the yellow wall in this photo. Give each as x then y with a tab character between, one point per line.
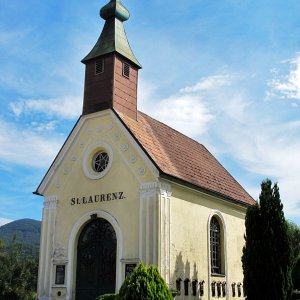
69	181
158	222
190	215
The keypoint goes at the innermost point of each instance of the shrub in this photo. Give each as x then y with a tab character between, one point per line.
108	297
145	283
295	295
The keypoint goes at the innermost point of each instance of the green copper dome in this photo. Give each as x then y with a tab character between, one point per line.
113	37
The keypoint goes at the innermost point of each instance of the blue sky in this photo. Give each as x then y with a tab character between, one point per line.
225	72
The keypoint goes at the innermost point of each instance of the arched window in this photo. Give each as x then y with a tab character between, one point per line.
215	246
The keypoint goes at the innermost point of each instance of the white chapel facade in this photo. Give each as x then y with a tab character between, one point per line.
126	188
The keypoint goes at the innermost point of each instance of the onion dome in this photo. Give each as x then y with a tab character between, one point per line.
113	37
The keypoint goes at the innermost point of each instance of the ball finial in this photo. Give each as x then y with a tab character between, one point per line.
114	9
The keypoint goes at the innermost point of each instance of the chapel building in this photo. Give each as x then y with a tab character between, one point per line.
126	188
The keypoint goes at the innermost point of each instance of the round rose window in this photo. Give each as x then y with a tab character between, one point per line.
100	161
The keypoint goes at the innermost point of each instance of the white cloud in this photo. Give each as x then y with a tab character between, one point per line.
68	107
185	111
265	149
4	221
209	83
26	147
242	129
288	86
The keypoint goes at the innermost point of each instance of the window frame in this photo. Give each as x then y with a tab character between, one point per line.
215	246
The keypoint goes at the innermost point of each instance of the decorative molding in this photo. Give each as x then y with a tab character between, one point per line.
59	255
86	162
117	136
133	158
67	170
73	157
152	188
223	224
124	147
70	277
50	201
142	170
110	125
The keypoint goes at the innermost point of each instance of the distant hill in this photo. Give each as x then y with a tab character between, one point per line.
27	233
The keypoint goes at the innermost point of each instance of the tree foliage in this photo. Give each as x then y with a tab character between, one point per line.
145	283
296	274
18	276
267	255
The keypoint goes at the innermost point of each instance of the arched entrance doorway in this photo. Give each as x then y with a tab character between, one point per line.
96	260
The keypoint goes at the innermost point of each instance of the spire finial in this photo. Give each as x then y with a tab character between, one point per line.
114	9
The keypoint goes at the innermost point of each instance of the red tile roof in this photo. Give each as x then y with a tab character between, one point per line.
183	158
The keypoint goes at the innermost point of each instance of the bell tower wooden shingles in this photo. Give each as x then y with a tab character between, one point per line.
111	74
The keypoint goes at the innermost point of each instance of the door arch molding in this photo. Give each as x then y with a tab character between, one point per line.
72	249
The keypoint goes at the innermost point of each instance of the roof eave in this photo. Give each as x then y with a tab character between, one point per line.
204	190
37	192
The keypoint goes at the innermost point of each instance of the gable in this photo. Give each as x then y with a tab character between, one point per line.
72	168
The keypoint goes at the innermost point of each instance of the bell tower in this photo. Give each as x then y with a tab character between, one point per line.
111	73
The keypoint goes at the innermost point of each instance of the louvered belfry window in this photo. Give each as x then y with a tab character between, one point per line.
126	69
215	246
99	66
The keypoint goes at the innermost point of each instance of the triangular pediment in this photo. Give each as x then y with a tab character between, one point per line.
93	133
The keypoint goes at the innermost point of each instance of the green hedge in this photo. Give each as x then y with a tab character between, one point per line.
145	283
108	297
295	295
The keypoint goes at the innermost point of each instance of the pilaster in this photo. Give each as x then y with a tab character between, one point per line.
46	247
155	226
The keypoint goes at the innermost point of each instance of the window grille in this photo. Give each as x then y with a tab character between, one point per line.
186	287
99	66
194	287
215	246
201	292
219	289
126	70
213	289
224	289
178	284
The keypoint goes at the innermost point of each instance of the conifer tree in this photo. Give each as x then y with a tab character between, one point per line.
267	255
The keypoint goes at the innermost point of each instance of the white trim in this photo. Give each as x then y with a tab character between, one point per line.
236	205
42	254
147	231
137	147
54	213
72	246
141	230
220	216
121	153
50	205
154	231
170	243
74	136
88	156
